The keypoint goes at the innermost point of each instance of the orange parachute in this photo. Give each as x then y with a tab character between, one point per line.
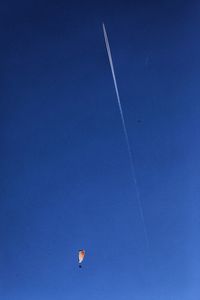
81	255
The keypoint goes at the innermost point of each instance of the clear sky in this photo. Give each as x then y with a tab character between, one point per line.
65	180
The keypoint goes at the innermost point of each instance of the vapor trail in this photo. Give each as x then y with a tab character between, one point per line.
126	137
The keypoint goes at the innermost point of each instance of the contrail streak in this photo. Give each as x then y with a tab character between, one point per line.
126	136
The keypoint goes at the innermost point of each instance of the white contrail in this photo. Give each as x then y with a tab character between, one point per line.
126	136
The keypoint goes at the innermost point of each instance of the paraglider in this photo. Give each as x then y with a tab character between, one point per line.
81	255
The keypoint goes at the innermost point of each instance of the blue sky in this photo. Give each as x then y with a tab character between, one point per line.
64	168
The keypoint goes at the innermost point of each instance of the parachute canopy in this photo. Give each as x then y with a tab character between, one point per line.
81	255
